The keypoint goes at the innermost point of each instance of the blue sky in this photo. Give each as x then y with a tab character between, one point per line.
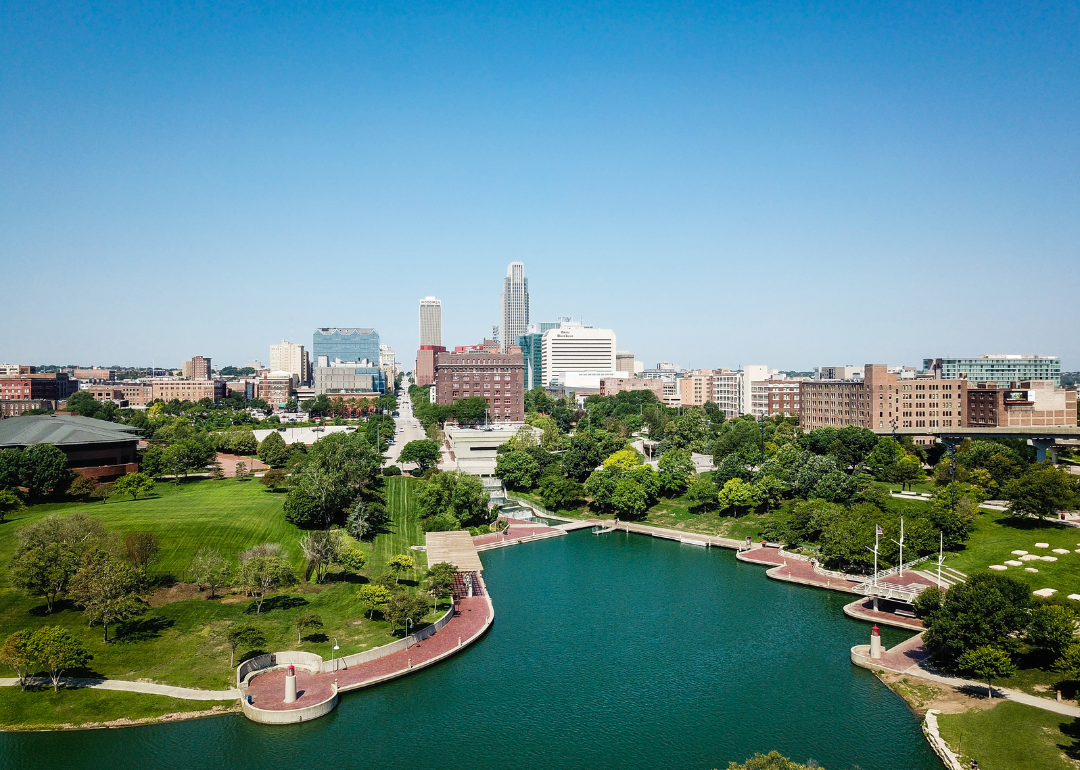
793	184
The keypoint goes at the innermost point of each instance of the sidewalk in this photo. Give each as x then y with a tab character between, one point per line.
148	688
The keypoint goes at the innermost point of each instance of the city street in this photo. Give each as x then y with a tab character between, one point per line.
407	428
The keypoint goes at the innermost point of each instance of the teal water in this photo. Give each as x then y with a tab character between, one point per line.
612	651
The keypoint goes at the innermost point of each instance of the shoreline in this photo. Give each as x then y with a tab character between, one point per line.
122	722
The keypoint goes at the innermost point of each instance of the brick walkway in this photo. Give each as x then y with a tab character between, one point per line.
863	609
515	531
268	690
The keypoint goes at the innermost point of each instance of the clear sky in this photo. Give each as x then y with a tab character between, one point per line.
791	184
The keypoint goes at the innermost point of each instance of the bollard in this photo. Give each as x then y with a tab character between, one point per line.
290	684
875	643
459	641
410	662
1059	696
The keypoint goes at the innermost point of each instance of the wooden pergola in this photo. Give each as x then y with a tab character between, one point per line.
454	547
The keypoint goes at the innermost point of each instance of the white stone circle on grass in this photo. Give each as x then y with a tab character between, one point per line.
1045	592
1019	553
1030	569
1029	557
1047	558
1075	597
1061	550
1042	545
1015	563
998	567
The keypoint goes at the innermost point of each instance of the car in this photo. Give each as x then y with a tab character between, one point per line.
396	414
281	430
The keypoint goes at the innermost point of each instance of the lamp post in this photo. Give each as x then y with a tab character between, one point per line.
407	622
901	544
333	653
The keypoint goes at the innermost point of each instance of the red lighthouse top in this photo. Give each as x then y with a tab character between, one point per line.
875	632
292	669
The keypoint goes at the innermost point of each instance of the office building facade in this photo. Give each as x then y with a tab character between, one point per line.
197	368
776	396
340	378
515	304
1000	369
291	357
609	386
532	347
574	349
342	344
430	322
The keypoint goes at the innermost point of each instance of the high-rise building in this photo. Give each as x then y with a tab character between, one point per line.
1000	369
346	344
497	377
575	355
532	347
515	304
430	321
290	357
198	368
424	373
624	362
733	391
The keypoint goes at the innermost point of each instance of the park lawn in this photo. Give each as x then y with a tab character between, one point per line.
181	642
38	710
997	534
1012	736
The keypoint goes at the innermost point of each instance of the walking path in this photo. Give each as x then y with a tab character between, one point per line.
516	531
149	688
909	659
472	616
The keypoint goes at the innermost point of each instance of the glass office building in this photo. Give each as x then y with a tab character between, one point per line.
532	346
1002	369
346	344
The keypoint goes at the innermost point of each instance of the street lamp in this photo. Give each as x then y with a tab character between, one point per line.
407	622
333	653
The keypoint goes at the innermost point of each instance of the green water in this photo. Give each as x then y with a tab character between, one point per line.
610	651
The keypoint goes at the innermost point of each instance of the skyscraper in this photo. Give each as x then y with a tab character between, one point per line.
515	304
346	344
289	357
430	321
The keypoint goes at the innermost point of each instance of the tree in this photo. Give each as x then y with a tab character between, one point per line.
424	453
1069	662
1052	628
630	497
241	471
399	563
274	479
441	579
106	588
989	610
518	470
262	574
243	635
375	596
736	494
217	473
702	492
771	761
321	549
987	663
10	503
402	607
11	468
273	451
134	484
305	623
57	650
883	459
17	653
209	569
676	469
908	469
352	559
366	518
1042	491
627	459
142	548
458	494
50	551
45	470
559	493
81	486
337	469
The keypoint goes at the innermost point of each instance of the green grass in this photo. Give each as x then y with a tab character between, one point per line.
997	534
37	710
181	642
1012	736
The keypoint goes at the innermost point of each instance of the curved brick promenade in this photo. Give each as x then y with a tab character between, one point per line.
473	616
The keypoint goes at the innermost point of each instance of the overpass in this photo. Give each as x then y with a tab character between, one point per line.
1042	437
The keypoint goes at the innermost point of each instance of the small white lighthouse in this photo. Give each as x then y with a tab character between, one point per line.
290	684
875	643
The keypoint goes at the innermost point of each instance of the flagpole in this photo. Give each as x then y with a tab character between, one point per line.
877	530
941	556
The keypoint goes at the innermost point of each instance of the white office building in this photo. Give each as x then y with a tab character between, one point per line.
515	305
733	391
430	321
289	357
577	356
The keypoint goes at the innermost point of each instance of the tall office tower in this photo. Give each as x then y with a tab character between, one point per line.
515	304
577	356
345	345
290	357
430	321
198	368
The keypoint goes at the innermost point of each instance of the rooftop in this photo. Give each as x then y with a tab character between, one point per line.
61	430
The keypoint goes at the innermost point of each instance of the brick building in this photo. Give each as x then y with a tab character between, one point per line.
54	386
497	377
275	388
425	364
1031	403
188	390
198	368
95	448
135	393
95	373
609	386
775	397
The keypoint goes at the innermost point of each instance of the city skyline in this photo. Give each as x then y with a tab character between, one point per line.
718	185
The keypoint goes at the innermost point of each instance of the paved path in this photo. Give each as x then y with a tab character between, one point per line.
149	688
910	659
863	609
471	619
517	531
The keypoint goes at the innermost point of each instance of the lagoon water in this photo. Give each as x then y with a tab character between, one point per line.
613	651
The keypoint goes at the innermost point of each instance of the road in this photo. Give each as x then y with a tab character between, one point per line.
408	428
